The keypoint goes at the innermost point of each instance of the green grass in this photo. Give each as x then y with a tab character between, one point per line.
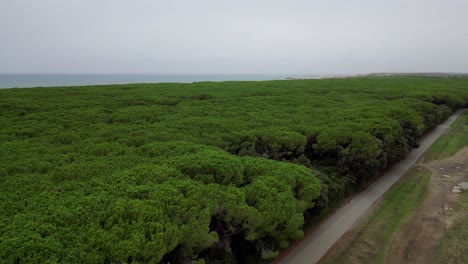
373	237
453	247
449	144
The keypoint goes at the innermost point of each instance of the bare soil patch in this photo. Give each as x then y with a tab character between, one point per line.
416	241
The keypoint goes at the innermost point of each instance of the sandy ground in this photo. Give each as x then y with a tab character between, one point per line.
416	241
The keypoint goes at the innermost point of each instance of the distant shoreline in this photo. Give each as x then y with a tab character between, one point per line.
383	74
16	80
34	80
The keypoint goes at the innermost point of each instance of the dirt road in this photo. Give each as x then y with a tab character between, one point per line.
417	240
316	245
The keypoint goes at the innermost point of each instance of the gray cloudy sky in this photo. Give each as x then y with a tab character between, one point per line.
242	36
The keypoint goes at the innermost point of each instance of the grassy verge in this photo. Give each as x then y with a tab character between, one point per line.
369	243
453	247
450	143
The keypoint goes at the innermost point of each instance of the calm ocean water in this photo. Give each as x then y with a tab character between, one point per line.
38	80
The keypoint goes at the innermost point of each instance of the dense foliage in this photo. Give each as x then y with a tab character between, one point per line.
197	172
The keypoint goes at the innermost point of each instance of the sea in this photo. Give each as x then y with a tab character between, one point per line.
46	80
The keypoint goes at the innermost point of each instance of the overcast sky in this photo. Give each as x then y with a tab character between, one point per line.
241	36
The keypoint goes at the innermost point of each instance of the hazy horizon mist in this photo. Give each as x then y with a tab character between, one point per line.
224	37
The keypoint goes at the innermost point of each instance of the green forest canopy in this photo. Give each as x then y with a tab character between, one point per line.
204	171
